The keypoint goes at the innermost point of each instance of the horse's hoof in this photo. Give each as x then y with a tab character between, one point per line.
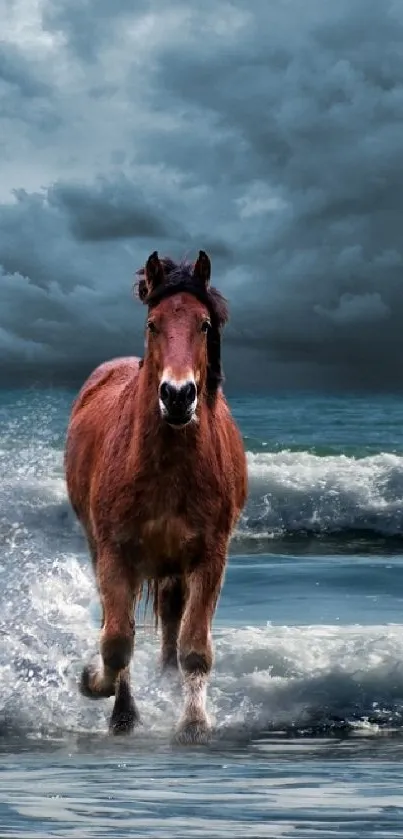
88	685
125	718
193	733
124	722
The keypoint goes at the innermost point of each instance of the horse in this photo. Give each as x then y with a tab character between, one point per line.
156	474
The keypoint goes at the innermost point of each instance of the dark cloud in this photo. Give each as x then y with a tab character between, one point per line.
109	210
17	72
268	134
88	25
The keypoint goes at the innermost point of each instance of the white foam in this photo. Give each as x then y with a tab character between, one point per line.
264	678
311	676
292	492
289	492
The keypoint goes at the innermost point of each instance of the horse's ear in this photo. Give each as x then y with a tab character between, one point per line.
154	272
202	269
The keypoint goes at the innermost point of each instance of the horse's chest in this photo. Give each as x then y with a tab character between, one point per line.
168	527
166	535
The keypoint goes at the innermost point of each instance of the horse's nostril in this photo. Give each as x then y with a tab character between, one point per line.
190	394
164	393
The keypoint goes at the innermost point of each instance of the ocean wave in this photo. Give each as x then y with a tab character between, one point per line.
274	678
293	679
297	493
291	495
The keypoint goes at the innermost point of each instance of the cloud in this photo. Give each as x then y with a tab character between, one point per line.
356	309
268	134
17	74
109	210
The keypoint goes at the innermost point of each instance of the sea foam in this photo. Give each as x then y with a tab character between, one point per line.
299	492
266	678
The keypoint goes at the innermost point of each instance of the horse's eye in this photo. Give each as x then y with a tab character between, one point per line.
205	326
152	327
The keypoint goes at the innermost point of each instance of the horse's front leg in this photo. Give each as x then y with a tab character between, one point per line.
195	648
171	601
111	677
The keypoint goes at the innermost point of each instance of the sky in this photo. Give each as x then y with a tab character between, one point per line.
267	133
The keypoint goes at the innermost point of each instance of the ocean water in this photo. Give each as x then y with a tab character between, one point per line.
307	689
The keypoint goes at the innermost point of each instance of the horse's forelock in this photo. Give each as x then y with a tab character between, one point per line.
179	277
173	273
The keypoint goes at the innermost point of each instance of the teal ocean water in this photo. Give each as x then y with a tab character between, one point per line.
307	689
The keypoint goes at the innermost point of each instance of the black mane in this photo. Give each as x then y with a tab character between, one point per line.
179	277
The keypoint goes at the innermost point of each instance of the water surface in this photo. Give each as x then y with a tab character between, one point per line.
307	689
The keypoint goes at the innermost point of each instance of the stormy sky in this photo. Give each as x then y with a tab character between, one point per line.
267	133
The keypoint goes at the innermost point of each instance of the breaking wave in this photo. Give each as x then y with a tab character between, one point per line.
296	493
290	678
291	494
300	679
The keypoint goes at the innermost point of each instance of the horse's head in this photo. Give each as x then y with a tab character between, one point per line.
183	334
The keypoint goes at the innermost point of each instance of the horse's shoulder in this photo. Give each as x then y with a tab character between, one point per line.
117	370
107	379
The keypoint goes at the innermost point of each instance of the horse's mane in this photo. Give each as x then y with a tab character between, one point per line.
179	277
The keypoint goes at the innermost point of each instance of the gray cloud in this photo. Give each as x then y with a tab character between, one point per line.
89	26
269	135
109	210
17	73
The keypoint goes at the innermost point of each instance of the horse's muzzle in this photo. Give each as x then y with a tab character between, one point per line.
177	402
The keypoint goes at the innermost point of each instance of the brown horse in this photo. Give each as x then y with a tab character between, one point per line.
156	473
